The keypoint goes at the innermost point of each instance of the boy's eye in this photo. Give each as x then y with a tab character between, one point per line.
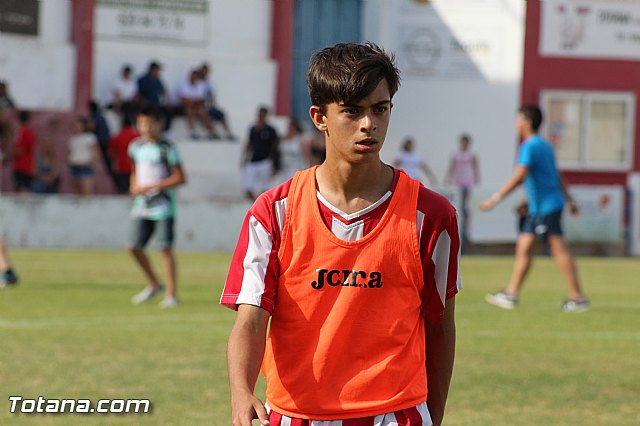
381	108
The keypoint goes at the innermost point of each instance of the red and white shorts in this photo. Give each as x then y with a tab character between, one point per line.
414	416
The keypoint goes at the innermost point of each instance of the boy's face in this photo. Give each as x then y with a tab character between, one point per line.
149	127
522	124
356	131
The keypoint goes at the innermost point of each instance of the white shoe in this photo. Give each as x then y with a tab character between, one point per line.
147	294
169	302
575	306
502	300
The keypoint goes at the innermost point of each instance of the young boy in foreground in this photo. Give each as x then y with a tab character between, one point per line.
355	263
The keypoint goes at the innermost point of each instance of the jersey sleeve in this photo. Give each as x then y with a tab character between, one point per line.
524	156
439	252
173	157
253	273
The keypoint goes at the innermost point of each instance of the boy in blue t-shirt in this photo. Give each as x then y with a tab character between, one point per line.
547	194
155	172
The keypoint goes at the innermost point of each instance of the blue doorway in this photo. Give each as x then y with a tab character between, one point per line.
318	24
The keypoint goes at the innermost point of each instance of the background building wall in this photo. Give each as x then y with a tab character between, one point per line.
41	68
461	62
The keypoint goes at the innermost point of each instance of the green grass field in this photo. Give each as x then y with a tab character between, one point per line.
69	331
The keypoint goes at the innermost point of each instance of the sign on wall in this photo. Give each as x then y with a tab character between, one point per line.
19	16
601	216
590	29
463	40
183	21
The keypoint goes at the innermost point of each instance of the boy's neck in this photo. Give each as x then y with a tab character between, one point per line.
150	138
526	134
353	187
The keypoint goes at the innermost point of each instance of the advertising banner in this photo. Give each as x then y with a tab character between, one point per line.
19	16
172	21
601	216
590	29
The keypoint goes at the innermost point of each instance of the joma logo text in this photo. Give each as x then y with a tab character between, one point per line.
347	278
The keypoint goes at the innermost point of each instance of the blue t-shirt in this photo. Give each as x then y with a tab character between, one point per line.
151	89
542	183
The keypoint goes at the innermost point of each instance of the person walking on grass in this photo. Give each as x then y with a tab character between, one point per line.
547	196
353	267
156	170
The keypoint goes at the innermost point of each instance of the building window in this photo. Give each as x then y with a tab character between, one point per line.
590	130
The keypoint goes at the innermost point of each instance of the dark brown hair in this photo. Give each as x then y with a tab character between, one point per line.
533	114
348	72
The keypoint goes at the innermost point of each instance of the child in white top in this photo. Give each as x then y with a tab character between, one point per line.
412	163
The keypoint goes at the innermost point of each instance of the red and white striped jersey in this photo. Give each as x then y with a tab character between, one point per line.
254	269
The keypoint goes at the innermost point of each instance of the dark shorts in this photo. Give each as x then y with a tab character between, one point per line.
543	225
81	171
216	114
22	181
143	229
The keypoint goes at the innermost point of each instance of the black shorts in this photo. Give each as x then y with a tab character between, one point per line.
216	114
543	225
143	229
22	181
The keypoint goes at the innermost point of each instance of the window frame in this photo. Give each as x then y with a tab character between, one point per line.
586	99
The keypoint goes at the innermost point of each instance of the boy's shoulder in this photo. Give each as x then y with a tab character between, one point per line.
159	143
433	203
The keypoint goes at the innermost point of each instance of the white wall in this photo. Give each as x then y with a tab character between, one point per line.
104	222
634	237
446	91
41	70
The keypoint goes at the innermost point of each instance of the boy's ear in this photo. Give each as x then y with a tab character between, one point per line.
318	117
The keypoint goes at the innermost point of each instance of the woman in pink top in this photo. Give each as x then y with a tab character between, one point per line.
464	173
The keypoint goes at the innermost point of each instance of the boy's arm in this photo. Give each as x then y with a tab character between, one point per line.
514	181
449	174
573	207
132	178
440	337
177	177
476	170
245	351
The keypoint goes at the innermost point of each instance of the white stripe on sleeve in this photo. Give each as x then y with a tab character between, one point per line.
255	264
420	224
441	261
280	208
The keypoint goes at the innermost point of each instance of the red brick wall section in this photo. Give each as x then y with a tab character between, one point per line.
282	52
82	38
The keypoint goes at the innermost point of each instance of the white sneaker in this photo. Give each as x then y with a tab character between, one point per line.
575	306
169	302
147	294
502	300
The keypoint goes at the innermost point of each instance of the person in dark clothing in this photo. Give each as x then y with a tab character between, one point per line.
151	92
100	128
259	157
